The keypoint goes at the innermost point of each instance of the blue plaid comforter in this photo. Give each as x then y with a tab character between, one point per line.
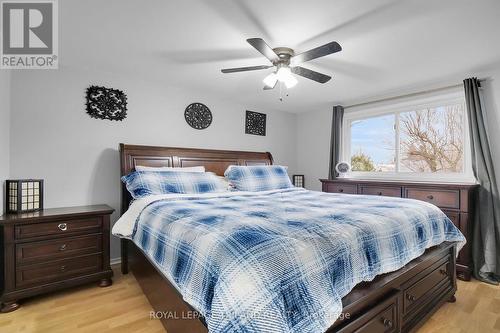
281	261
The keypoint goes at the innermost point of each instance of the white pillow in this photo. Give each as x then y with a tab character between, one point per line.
158	169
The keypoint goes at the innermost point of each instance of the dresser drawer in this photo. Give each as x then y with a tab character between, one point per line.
41	273
59	228
418	294
454	217
43	251
382	319
440	198
342	188
388	191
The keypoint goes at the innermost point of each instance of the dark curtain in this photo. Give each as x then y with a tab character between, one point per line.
486	229
337	116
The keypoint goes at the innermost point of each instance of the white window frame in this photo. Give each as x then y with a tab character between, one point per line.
396	108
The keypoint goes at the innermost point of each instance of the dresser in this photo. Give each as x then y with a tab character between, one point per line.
53	249
455	200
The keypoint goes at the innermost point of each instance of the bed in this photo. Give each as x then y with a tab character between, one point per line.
399	301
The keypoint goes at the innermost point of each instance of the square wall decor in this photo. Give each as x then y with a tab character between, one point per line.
255	123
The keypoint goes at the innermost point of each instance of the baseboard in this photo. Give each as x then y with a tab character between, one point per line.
115	261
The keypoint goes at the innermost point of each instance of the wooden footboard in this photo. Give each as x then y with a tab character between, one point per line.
400	301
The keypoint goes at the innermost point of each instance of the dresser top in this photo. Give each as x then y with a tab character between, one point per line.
55	213
400	183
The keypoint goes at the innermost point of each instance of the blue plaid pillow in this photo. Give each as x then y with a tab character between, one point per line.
144	183
258	177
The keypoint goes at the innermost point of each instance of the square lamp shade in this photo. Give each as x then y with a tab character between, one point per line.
298	180
24	195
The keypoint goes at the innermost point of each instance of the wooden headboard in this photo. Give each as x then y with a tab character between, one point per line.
215	161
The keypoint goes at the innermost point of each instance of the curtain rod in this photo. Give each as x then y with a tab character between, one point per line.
403	96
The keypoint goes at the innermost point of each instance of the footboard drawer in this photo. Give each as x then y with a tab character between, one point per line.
419	293
383	318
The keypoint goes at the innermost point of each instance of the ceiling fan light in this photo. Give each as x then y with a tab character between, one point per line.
270	80
290	82
284	73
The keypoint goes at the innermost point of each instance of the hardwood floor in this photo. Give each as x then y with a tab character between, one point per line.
477	310
123	308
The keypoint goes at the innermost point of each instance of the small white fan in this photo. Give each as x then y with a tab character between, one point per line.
343	168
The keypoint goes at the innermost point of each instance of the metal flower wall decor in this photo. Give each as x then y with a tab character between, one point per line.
106	103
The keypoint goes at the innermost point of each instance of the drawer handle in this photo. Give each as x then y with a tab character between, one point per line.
341	190
410	297
386	322
63	268
379	193
430	197
63	226
62	247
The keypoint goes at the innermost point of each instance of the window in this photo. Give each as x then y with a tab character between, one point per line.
373	144
423	139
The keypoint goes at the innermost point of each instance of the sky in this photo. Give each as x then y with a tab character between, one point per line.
373	136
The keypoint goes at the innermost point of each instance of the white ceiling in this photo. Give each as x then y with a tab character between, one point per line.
388	45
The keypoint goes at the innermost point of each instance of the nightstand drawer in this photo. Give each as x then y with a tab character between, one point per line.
440	198
43	251
58	228
58	270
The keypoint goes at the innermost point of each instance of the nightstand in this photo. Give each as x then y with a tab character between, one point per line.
53	249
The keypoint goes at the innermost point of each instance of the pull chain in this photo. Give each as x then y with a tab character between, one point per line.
281	92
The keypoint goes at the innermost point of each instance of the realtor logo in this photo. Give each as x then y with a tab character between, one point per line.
29	34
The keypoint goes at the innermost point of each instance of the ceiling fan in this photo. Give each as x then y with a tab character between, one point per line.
285	63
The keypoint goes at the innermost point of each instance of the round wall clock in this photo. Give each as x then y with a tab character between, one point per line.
198	116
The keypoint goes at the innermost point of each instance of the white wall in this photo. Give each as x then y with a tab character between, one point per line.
313	130
4	133
53	138
313	146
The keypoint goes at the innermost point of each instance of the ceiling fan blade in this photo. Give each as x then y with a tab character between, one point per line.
317	52
244	69
311	75
262	47
266	87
